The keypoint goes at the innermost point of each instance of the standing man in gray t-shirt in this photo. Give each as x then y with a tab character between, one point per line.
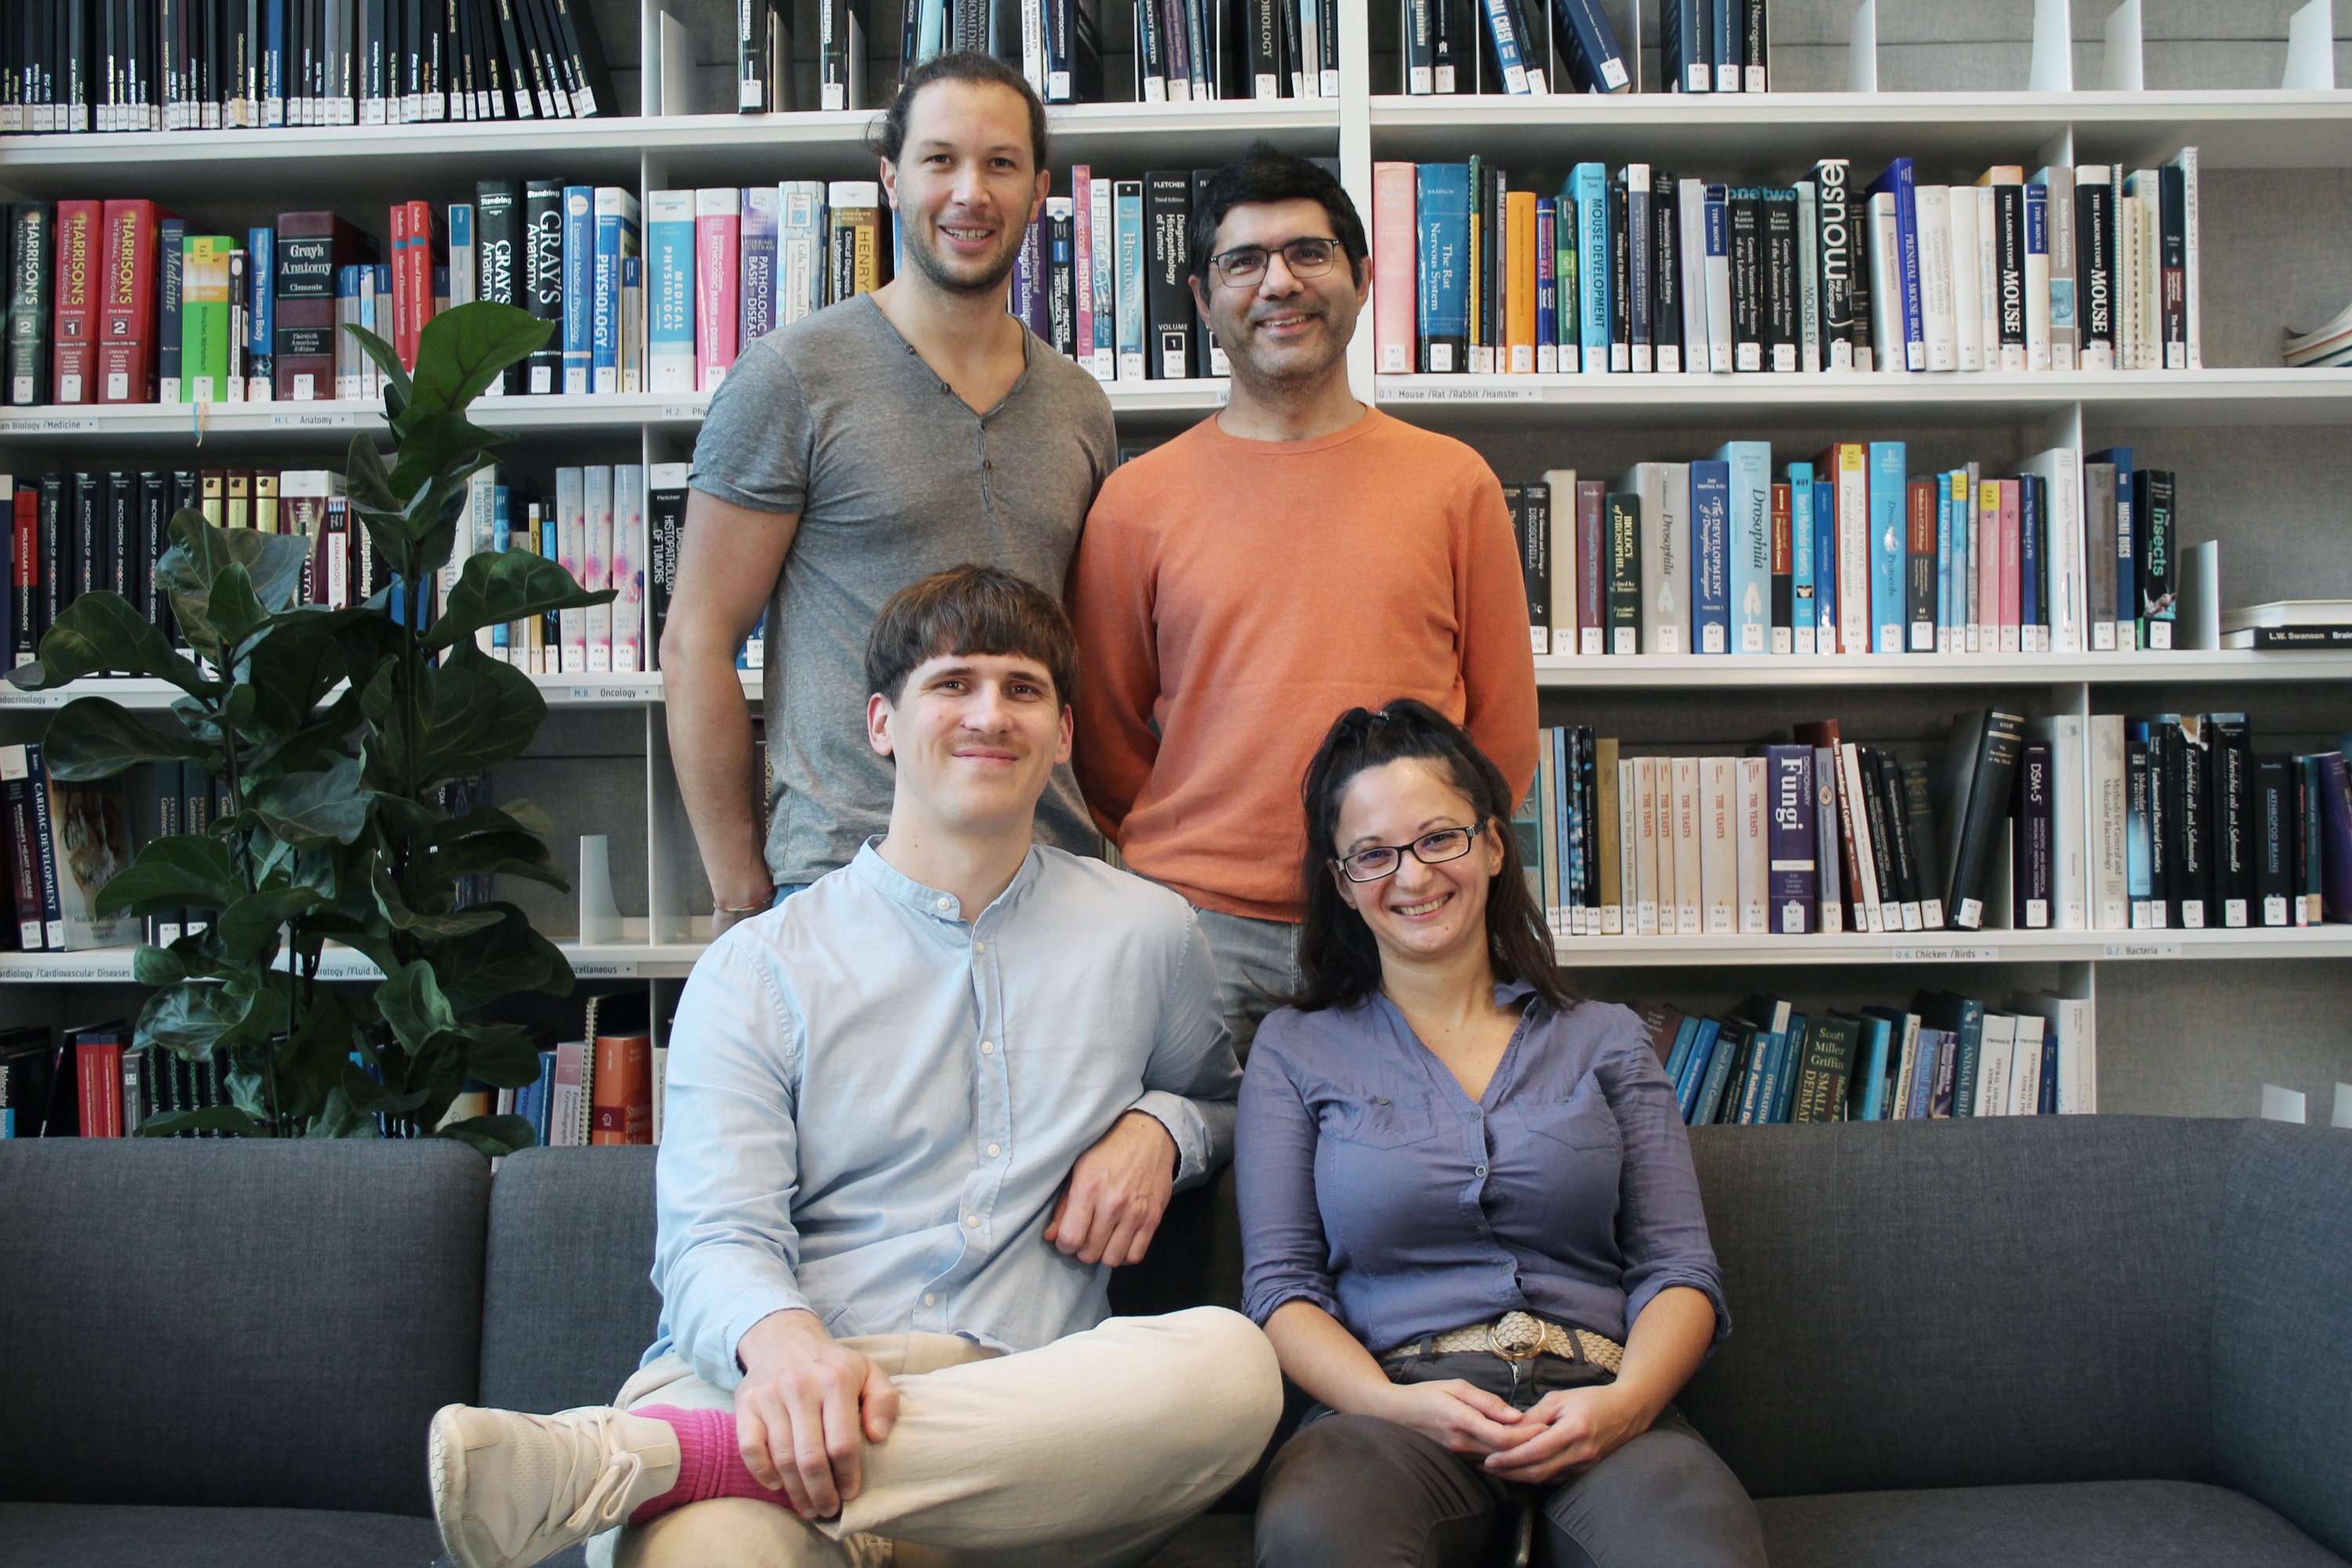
846	454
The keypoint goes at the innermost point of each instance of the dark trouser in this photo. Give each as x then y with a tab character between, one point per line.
1356	1491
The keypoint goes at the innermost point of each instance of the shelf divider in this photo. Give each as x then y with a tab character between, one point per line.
2311	49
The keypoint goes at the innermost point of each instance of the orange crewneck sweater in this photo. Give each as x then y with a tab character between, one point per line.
1233	597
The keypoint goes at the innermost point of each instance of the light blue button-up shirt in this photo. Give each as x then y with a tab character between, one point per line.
873	1102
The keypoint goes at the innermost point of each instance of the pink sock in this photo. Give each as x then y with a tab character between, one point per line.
709	1463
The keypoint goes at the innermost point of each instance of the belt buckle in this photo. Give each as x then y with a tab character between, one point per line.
1527	1337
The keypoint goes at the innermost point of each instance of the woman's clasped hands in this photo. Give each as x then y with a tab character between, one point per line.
1567	1431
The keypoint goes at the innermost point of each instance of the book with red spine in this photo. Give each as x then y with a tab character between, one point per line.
97	1078
622	1104
126	293
313	249
717	223
1396	260
74	324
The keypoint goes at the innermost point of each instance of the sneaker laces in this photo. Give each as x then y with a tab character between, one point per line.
606	1504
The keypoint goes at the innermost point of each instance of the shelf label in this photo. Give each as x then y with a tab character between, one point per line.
603	969
46	425
1946	954
605	694
2141	950
684	410
13	697
312	421
1471	390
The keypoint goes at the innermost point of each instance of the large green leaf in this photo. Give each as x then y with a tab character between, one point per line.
509	957
103	631
504	1055
476	712
387	360
432	446
189	1017
291	670
191	870
515	817
184	960
508	585
493	1135
411	1000
191	571
367	480
461	923
226	1118
496	854
94	737
338	1117
370	1098
311	809
249	927
461	352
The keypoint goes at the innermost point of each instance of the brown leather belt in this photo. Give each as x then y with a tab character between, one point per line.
1519	1336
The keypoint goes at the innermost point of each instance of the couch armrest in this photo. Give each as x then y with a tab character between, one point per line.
2282	1327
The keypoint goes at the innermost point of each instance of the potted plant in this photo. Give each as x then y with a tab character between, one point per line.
333	733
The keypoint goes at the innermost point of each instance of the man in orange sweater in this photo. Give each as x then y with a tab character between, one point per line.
1293	556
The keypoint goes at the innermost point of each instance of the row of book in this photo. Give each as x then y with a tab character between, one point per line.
1850	553
121	301
1636	270
212	65
605	1088
75	531
2071	822
1947	1054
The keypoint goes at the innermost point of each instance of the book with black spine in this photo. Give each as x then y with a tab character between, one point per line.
1744	220
542	281
1667	345
1621	276
2032	849
2159	800
1783	333
1061	276
666	523
2273	831
1980	768
1910	889
1493	266
2231	760
498	271
1167	222
1208	356
1416	22
583	54
2188	775
1622	533
2155	565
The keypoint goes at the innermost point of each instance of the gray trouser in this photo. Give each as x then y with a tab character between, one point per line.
1257	966
1356	1491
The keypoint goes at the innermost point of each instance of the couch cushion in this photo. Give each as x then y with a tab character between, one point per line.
571	1305
43	1535
279	1318
1962	1303
2089	1524
2281	1355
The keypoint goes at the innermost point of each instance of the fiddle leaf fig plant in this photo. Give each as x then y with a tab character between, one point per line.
333	735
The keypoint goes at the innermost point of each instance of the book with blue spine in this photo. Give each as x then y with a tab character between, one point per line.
501	515
1686	1036
1771	1016
616	237
1825	569
1442	311
1547	285
1710	556
1685	45
1127	204
1505	38
1944	580
1801	556
1588	189
1963	1018
1793	1066
1869	1082
669	291
1696	1066
578	285
1896	180
755	273
1791	856
1749	478
1596	60
170	235
1889	546
260	318
1726	47
2032	558
273	68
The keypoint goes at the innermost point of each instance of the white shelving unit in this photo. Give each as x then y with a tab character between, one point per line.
234	178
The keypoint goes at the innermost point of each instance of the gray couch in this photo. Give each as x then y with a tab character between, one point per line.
2094	1341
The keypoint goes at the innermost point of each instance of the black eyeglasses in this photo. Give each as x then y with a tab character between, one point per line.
1242	266
1430	850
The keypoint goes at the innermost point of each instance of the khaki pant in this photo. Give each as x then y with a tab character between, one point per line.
1089	1451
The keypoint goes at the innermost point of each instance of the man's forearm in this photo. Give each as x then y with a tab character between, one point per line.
710	748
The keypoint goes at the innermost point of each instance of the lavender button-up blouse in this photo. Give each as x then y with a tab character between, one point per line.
1372	1186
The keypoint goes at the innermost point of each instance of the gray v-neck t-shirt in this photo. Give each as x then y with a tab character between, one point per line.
837	417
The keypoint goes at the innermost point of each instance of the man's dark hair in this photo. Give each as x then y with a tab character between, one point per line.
1338	962
970	609
888	137
1266	174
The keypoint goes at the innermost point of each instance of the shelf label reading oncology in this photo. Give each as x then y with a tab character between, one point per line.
2141	950
1946	954
1470	391
607	694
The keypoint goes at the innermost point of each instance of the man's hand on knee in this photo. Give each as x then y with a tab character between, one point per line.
1117	1193
805	1410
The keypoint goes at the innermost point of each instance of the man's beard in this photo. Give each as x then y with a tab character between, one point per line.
1292	373
927	261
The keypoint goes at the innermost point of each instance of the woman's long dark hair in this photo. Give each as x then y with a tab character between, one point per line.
1338	962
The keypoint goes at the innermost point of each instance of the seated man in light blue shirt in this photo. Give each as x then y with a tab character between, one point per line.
916	1115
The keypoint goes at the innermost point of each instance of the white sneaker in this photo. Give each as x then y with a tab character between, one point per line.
510	1489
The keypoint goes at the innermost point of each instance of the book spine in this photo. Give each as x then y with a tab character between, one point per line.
1710	555
718	243
76	292
1168	212
1980	812
30	257
1794	886
1442	219
126	303
544	280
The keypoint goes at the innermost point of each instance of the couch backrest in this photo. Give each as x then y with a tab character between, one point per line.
259	1323
1963	1303
2283	1326
569	1304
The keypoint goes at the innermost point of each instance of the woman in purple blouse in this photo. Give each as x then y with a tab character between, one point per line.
1469	1221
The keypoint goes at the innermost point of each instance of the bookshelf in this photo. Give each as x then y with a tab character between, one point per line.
2191	1022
